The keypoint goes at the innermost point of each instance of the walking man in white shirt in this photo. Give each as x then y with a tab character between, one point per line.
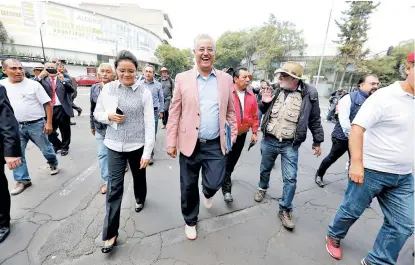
349	105
29	101
381	146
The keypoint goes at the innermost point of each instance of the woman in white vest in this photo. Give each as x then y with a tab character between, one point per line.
127	107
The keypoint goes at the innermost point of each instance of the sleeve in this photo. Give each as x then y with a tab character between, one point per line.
370	112
175	113
230	113
161	98
92	109
344	114
172	84
100	113
67	83
41	94
314	122
254	109
148	124
9	127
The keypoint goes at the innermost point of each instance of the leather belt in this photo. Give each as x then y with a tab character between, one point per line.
200	140
279	140
30	122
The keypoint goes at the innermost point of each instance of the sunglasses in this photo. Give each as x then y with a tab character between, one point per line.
284	75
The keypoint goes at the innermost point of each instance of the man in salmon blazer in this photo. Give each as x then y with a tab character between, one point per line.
201	106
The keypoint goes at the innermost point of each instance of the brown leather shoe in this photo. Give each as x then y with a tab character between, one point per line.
104	189
20	187
286	219
260	195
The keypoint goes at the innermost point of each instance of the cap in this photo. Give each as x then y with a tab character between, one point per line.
410	58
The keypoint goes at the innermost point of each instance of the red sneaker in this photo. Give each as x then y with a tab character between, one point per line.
333	247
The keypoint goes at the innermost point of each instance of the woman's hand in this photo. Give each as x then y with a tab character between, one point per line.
117	118
144	163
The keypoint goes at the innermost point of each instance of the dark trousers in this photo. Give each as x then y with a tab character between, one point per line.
165	117
208	156
338	148
232	159
4	200
117	162
62	121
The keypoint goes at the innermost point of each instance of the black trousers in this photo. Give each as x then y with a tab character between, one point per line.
338	148
60	121
165	117
232	159
117	162
208	157
4	200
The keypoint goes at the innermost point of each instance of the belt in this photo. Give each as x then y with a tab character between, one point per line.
200	140
30	122
279	140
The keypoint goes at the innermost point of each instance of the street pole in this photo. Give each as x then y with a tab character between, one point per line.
41	40
324	46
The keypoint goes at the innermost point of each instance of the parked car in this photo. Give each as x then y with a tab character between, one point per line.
87	80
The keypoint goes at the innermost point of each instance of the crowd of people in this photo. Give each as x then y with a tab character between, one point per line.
205	109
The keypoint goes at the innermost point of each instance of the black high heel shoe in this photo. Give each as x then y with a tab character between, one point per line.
107	249
139	208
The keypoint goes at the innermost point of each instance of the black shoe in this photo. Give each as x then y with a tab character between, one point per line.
139	208
64	152
228	197
319	181
151	161
73	123
79	111
107	249
4	233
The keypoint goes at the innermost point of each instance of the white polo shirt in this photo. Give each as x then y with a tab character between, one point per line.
27	99
388	117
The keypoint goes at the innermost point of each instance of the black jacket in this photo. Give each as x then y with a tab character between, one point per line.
95	125
64	90
309	115
9	129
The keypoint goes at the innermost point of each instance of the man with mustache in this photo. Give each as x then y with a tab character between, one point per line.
349	105
201	106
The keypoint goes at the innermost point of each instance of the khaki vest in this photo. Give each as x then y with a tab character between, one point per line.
284	116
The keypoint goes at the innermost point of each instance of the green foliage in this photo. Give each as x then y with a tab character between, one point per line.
230	49
353	34
174	59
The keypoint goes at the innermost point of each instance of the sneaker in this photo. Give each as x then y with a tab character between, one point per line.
364	262
286	219
20	187
260	195
319	181
333	247
54	170
208	203
64	152
163	127
151	160
190	232
228	197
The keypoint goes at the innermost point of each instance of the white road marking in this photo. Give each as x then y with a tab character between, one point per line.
79	179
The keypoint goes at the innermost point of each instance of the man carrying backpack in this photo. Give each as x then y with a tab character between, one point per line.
168	85
349	105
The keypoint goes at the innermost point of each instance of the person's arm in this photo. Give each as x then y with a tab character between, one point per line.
254	109
172	84
230	113
344	114
67	84
161	99
92	108
9	131
314	121
45	100
175	113
100	113
148	124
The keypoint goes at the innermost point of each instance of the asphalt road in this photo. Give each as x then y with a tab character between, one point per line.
59	219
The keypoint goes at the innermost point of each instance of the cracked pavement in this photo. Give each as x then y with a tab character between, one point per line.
59	219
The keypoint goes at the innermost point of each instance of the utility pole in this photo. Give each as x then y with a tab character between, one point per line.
324	46
41	40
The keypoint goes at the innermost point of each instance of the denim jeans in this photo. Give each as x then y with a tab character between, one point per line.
156	119
395	194
34	132
102	157
270	149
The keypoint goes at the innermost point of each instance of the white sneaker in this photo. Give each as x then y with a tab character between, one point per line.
208	203
190	232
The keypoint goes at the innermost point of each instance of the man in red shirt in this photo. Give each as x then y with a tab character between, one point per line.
246	109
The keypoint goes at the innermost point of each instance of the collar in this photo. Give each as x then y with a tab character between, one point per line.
213	72
133	87
145	81
247	90
363	93
403	92
167	78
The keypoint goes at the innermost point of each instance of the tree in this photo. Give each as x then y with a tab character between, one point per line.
276	40
230	49
353	34
174	59
4	36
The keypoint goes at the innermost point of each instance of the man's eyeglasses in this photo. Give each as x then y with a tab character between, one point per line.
208	49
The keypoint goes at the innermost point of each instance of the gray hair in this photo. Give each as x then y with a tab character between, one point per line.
4	62
204	37
149	65
106	65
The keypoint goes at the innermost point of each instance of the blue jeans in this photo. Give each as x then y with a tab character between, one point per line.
156	119
395	194
270	149
102	157
34	132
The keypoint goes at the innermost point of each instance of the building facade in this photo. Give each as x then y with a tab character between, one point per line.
77	35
